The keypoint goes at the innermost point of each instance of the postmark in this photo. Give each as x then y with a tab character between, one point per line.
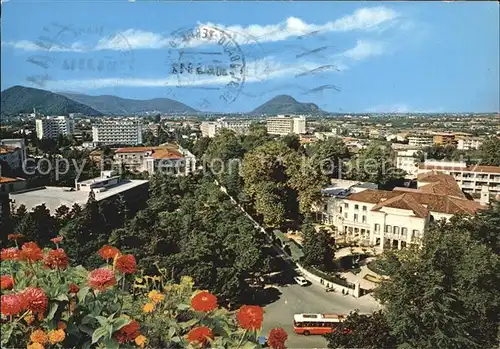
70	52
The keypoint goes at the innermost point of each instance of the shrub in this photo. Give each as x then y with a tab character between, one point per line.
329	277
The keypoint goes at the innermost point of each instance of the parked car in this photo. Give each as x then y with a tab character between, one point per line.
301	280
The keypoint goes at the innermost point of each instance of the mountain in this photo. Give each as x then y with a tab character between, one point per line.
20	99
284	104
113	105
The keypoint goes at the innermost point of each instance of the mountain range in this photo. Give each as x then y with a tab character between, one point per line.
20	99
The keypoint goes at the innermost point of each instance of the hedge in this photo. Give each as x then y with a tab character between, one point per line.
329	277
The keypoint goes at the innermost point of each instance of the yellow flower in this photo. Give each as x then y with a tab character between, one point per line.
38	336
35	346
29	318
56	336
148	307
156	296
186	280
140	340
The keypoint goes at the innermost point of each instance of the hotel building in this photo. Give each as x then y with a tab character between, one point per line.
53	126
119	131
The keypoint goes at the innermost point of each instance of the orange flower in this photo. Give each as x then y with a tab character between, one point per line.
108	252
10	254
31	252
200	335
140	341
148	307
34	346
35	299
38	336
6	282
156	296
10	304
57	239
61	325
250	317
277	338
204	301
126	264
57	259
101	279
56	336
128	332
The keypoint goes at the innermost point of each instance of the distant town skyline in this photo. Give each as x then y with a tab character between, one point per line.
344	57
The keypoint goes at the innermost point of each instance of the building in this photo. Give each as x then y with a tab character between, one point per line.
443	138
420	141
53	126
16	143
9	185
406	160
469	143
108	185
211	128
118	131
154	128
168	158
286	124
470	179
11	156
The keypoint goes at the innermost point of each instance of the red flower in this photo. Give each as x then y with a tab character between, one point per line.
11	304
57	259
6	282
128	332
34	299
101	279
200	335
126	264
108	252
9	254
31	252
250	317
14	236
57	239
204	301
277	338
73	288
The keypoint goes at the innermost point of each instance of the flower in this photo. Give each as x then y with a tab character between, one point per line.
250	317
10	304
148	307
56	336
14	236
156	296
108	252
6	282
9	254
128	332
38	336
73	288
57	239
101	279
126	264
31	252
277	338
140	340
34	346
57	259
35	299
61	325
29	318
200	335
204	301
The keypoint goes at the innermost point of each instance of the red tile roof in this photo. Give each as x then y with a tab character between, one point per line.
161	152
474	168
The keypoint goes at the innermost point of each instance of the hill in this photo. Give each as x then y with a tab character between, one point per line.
20	99
113	105
284	104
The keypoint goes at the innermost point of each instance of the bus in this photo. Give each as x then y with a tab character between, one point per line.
307	324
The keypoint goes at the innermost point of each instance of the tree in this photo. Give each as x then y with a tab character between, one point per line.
317	248
489	152
328	156
370	331
445	294
292	141
200	146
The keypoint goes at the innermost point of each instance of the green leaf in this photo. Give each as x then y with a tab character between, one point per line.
111	343
86	329
119	323
52	310
189	323
183	306
87	345
84	291
102	320
98	334
87	319
171	332
62	297
250	345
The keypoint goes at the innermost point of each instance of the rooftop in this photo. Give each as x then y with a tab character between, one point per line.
10	180
161	152
5	149
475	168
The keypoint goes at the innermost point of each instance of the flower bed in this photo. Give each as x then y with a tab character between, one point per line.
329	277
372	278
374	266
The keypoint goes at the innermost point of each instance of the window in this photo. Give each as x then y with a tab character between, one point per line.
404	231
355	217
364	208
363	219
346	206
377	227
340	209
345	215
396	230
388	229
356	207
415	233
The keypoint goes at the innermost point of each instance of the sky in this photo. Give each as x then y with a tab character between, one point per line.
233	56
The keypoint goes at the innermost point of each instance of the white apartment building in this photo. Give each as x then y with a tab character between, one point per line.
420	141
211	128
118	131
53	126
469	143
405	160
169	158
286	124
470	179
400	217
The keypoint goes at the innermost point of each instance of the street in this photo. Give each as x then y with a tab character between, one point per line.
309	299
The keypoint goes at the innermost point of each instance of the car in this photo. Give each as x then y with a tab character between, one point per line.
301	280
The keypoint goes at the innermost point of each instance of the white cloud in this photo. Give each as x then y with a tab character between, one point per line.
401	108
31	46
365	49
132	39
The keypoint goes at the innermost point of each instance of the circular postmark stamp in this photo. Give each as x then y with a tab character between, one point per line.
65	52
205	58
